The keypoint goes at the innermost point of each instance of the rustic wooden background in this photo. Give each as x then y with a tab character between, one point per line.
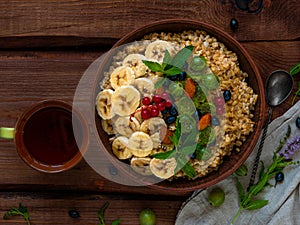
45	47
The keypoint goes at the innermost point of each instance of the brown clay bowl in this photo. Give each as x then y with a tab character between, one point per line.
236	159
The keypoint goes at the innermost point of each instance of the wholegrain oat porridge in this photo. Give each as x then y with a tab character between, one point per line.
174	104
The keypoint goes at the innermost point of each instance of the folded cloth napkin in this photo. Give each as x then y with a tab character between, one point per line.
284	203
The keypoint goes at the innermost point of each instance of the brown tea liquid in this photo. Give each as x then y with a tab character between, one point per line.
49	137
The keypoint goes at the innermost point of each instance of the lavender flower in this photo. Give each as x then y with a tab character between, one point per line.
291	148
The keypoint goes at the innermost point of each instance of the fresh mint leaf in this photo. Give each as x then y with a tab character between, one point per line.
180	58
21	210
241	190
256	204
163	155
173	71
153	66
116	222
189	170
167	58
295	69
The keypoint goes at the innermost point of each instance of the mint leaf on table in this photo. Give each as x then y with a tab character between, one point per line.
101	212
163	155
295	69
21	210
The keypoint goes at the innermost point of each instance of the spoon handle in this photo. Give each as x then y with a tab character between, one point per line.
260	148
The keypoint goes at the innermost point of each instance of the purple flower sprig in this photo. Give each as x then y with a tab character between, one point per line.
291	148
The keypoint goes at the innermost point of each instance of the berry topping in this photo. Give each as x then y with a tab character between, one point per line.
146	101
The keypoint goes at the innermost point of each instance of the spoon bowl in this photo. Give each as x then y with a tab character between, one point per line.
278	87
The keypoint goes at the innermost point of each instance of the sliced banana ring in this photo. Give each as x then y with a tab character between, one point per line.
104	104
119	147
125	100
140	144
107	126
122	75
153	125
135	62
156	140
141	165
163	168
156	50
145	86
126	125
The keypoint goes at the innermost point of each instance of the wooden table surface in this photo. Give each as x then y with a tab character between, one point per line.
45	47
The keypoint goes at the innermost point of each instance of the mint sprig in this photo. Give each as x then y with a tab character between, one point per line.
180	151
101	215
248	200
21	210
171	66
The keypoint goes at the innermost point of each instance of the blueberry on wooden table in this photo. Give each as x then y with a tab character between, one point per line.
74	214
233	24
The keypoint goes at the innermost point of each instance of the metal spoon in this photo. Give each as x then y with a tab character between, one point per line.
278	87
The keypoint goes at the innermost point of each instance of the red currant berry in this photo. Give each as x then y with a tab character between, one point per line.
154	112
165	95
156	99
220	110
161	106
219	101
168	104
145	114
146	101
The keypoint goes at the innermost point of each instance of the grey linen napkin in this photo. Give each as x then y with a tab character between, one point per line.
284	203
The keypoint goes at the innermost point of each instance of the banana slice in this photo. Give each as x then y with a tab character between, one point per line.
153	125
145	86
156	140
122	75
125	100
163	168
135	62
140	144
141	165
107	126
156	50
119	147
104	104
126	125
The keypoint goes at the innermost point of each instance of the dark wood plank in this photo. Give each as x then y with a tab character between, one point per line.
51	208
47	23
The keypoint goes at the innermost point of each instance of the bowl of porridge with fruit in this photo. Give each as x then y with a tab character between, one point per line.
180	102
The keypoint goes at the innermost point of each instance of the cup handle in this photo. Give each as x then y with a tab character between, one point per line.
7	132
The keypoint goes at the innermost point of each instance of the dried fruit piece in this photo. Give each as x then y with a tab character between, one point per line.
204	121
190	87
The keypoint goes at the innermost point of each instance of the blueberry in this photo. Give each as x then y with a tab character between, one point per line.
193	155
173	77
234	24
182	75
227	95
279	177
298	122
170	119
215	121
164	111
173	111
74	214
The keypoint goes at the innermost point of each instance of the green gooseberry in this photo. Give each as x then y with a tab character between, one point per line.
216	197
